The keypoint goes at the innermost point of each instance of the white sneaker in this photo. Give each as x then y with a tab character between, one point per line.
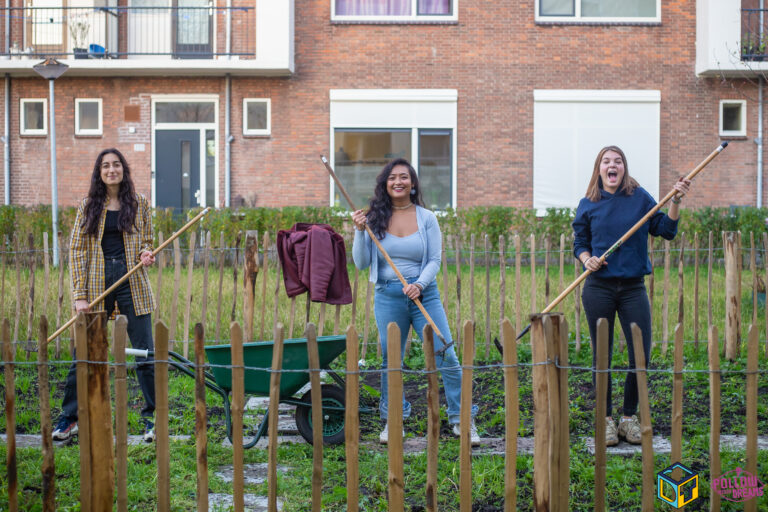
384	436
474	437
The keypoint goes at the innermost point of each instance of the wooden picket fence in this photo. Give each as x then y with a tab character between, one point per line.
103	478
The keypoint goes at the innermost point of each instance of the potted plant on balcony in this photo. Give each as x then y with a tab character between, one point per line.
754	47
79	27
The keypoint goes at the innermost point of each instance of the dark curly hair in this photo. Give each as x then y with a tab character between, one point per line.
97	195
380	206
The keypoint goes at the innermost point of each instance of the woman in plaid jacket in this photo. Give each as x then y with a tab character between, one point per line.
113	229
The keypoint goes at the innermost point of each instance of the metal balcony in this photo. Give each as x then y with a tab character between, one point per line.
194	31
754	34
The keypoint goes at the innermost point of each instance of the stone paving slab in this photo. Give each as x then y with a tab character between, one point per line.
662	445
264	441
252	503
254	474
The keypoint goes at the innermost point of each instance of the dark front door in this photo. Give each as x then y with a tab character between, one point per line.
193	29
177	168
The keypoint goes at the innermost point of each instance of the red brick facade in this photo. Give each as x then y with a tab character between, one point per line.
495	56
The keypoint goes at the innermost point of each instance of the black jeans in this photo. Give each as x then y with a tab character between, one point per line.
603	298
139	332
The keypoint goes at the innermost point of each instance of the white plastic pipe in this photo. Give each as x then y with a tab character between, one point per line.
136	352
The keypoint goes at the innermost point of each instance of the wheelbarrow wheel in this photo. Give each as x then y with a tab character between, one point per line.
333	420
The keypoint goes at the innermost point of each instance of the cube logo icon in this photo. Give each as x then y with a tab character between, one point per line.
677	485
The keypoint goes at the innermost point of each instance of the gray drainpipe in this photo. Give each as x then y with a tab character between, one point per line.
227	141
759	140
6	140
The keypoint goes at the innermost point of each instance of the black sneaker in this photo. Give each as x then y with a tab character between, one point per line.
149	431
65	429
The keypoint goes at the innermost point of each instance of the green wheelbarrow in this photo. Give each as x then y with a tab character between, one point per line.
257	358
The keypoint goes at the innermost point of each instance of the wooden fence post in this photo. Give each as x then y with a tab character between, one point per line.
502	281
751	417
518	305
367	316
60	293
395	419
176	286
547	247
250	273
713	351
601	412
237	408
31	292
84	424
458	339
274	399
161	417
645	419
665	301
472	278
753	270
651	280
119	335
541	434
17	260
433	418
48	469
234	276
696	292
313	359
511	415
46	277
533	308
677	398
10	416
222	257
265	273
352	420
204	303
201	420
681	282
465	445
190	296
160	264
487	246
732	297
444	268
276	309
710	256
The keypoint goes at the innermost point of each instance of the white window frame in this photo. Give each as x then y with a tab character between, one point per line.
22	117
578	18
257	132
412	109
80	131
741	132
412	18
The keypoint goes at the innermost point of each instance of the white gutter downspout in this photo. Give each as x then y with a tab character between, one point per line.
227	141
6	141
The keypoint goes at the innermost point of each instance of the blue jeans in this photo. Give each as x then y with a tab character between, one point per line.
139	332
392	305
604	298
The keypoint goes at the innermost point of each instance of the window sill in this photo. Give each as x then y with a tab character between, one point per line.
257	136
395	22
600	23
33	135
733	137
89	135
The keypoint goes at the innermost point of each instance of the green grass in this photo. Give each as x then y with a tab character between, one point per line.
624	474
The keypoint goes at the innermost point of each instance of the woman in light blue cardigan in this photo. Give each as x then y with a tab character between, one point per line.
411	236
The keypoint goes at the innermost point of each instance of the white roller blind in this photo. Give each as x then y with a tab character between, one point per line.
571	126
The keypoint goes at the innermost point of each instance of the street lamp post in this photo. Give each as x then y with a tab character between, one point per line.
51	69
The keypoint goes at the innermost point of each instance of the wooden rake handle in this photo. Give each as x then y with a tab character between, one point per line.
386	256
132	271
672	193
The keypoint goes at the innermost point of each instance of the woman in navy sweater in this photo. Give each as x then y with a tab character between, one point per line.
614	202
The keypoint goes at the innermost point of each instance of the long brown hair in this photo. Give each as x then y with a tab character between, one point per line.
380	205
628	183
97	196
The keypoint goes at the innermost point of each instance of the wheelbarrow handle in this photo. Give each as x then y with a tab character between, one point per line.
138	352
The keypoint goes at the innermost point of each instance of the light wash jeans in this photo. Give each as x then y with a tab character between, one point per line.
392	305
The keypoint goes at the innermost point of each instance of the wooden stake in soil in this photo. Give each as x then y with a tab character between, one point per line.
665	301
645	419
274	399
676	437
541	468
601	413
317	417
465	446
234	276
352	420
276	309
518	302
487	298
732	297
176	285
201	421
561	284
31	291
159	290
710	255
551	351
367	316
121	412
472	278
10	417
502	281
161	418
753	269
60	293
321	320
547	246
222	255
206	257
444	267
17	258
713	350
533	307
696	292
237	409
458	339
751	419
511	415
265	268
293	317
433	418
395	420
250	273
48	468
46	276
651	279
84	429
190	295
681	283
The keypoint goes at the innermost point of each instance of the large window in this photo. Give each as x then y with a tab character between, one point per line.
34	117
571	126
394	10
372	127
598	10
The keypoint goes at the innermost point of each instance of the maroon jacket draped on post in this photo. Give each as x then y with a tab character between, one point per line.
314	258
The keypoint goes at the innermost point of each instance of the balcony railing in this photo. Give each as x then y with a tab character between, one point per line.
754	34
188	32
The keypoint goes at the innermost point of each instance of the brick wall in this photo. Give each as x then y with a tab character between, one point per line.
495	56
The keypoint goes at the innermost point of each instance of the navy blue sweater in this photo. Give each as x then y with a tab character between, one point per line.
598	225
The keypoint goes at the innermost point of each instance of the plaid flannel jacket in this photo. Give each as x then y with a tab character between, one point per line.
87	259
